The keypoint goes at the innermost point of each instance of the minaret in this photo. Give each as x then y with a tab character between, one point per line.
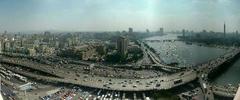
224	29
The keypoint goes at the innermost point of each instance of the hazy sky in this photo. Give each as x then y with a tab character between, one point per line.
114	15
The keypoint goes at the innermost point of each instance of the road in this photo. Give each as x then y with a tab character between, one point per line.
206	68
165	82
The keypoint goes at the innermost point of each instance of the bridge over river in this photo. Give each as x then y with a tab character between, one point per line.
211	67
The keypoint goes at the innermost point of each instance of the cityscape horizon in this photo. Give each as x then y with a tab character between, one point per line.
119	50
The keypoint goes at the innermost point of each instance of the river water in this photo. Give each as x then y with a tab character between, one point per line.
186	54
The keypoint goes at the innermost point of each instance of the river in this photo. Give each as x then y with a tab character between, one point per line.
187	54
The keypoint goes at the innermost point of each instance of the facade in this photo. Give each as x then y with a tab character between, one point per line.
130	30
147	31
87	52
224	29
0	46
49	51
161	30
122	45
237	96
6	45
31	52
183	32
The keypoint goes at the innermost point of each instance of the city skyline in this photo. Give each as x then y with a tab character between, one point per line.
119	49
109	15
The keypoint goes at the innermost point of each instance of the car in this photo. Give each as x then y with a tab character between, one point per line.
158	85
134	86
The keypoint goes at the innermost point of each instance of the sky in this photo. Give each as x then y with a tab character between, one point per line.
118	15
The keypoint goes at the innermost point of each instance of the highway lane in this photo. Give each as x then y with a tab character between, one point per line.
121	84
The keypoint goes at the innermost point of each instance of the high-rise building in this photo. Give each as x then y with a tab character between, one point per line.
183	32
224	30
147	31
122	45
0	46
6	45
47	33
161	30
130	30
5	32
204	31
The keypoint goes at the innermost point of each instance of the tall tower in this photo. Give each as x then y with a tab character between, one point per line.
183	32
130	30
147	31
0	46
5	32
224	26
161	31
122	45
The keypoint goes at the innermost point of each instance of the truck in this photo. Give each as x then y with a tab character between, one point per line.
204	87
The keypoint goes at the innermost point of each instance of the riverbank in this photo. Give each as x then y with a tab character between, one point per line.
195	53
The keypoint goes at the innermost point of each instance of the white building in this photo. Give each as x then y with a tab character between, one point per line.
237	96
